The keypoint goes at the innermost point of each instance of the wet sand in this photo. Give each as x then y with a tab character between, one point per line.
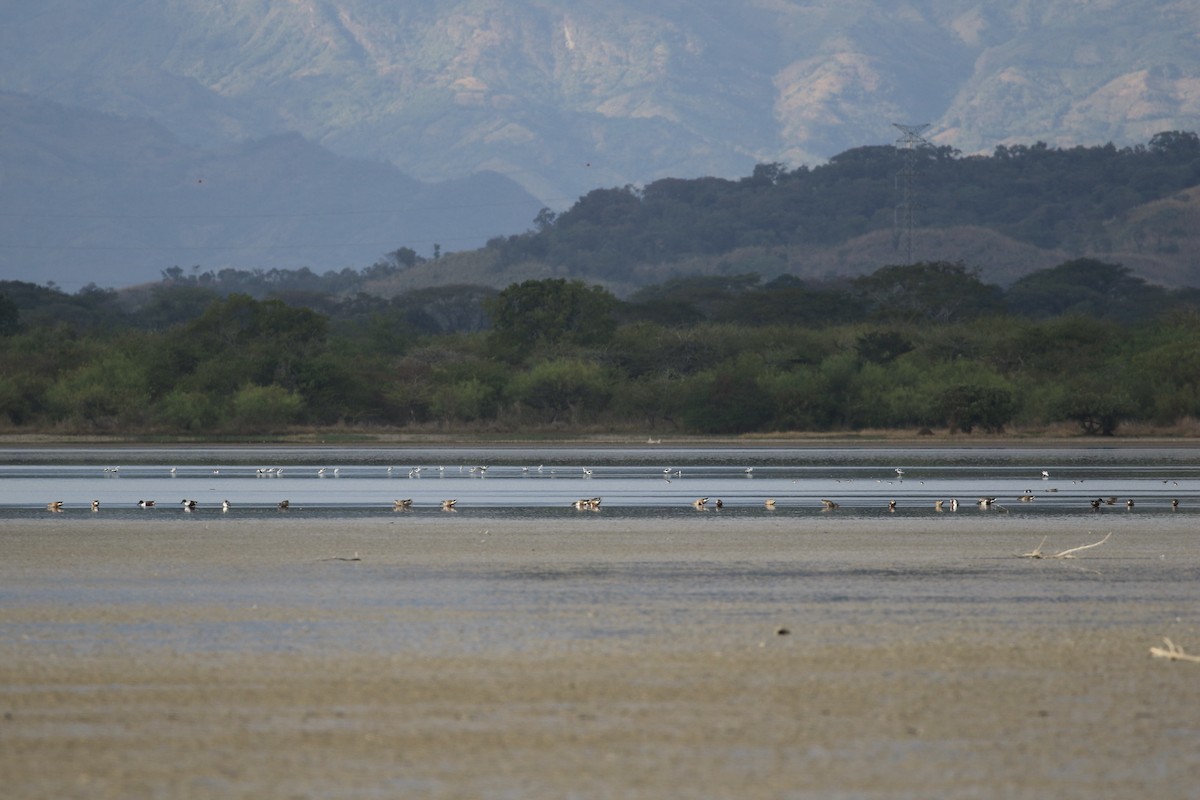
261	660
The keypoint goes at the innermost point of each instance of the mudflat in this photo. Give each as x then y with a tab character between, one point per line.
457	657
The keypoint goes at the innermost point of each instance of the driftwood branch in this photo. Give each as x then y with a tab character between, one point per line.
1173	652
1037	551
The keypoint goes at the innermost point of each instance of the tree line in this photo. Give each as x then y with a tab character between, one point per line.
915	346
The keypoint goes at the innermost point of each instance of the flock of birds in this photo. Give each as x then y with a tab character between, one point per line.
593	503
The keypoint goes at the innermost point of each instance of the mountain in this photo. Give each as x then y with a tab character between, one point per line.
90	197
559	96
563	96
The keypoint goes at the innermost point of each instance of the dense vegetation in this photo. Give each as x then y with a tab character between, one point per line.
1046	197
925	345
914	346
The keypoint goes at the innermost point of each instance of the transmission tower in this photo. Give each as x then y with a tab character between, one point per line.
909	142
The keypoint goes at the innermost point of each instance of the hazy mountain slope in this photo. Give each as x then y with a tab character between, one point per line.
564	95
95	198
560	96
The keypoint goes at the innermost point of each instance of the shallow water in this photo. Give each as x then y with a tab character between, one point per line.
638	481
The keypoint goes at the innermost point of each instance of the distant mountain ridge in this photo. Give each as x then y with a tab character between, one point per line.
558	96
89	197
564	96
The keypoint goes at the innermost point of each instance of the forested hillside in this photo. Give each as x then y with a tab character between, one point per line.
1051	199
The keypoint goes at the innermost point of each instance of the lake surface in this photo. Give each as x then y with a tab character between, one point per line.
637	481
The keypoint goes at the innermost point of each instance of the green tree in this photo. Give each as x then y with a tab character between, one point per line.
263	409
936	292
728	399
537	313
10	316
563	389
1096	404
882	347
968	406
1085	286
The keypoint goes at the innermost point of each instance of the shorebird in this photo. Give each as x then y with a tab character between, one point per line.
700	502
55	505
448	505
283	505
146	503
587	473
720	503
937	505
900	473
986	502
188	505
224	505
402	505
829	505
95	505
1096	504
1129	503
770	504
1045	475
1174	504
1027	497
954	504
891	505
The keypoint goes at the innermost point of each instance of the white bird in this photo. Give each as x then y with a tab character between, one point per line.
1045	475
